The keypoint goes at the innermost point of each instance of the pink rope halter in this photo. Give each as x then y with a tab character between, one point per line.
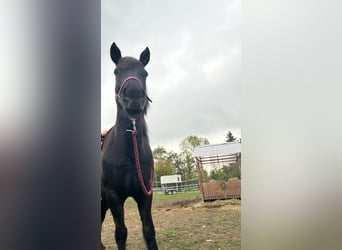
140	84
118	95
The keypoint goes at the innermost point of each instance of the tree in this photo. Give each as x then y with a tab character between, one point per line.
177	162
204	175
191	142
165	163
218	174
230	137
187	147
232	171
159	153
163	167
226	172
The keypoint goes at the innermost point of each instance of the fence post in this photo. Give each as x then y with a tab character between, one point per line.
200	176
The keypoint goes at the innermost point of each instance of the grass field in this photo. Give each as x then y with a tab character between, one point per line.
182	221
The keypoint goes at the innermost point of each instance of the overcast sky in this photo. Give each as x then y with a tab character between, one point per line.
194	70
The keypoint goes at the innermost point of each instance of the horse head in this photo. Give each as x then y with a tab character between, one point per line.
130	85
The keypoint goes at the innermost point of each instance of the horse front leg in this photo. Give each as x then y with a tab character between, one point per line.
104	208
116	206
144	206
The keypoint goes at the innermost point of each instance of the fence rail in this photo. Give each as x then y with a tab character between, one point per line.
186	185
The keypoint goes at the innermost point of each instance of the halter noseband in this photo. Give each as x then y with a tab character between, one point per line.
118	95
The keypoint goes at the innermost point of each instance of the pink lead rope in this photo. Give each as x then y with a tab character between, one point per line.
137	163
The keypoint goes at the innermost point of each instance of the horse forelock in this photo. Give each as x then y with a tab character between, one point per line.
127	62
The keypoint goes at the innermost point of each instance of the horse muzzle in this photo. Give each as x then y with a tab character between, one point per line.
132	96
134	107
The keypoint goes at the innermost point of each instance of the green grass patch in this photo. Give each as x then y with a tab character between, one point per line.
181	195
160	197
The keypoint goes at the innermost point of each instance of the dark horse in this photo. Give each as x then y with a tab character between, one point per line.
127	162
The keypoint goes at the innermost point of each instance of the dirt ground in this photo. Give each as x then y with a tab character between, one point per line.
182	224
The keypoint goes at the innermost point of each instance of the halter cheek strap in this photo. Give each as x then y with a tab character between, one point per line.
118	95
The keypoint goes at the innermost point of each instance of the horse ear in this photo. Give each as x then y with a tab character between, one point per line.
145	56
115	53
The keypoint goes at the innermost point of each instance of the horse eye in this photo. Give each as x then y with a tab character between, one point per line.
145	74
116	71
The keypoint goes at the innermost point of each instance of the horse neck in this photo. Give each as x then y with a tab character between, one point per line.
123	123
